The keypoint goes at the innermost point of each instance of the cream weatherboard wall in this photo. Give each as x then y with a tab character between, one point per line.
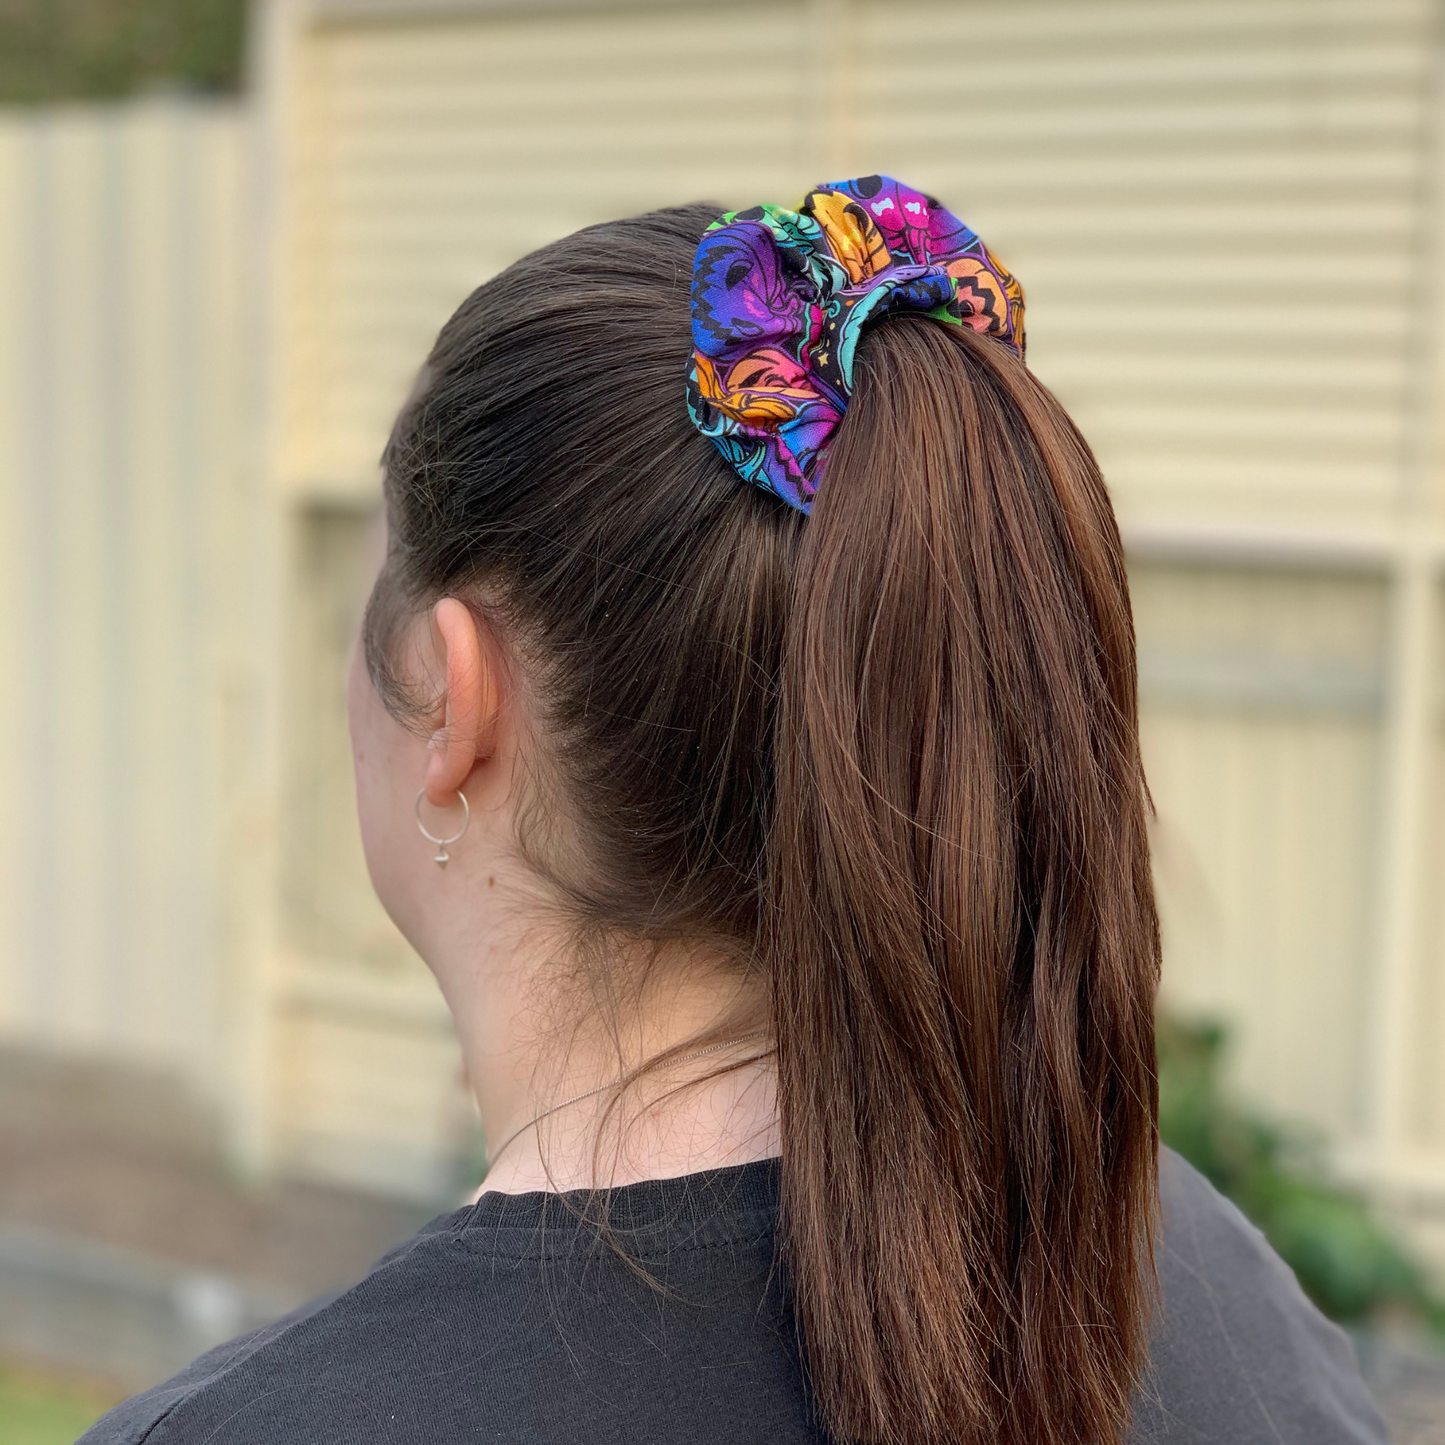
1227	219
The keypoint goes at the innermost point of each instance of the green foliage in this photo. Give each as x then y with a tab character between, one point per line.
1346	1261
103	49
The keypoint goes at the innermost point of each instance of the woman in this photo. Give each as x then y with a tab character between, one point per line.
780	850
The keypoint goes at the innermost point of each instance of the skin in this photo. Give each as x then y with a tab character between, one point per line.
499	946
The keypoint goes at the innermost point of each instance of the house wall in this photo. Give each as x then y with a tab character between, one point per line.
1227	220
1225	217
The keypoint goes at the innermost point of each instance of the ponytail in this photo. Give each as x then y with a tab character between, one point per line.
886	754
959	918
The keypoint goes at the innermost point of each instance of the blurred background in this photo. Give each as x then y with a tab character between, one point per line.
228	234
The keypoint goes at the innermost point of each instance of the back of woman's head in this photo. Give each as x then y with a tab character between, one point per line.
883	757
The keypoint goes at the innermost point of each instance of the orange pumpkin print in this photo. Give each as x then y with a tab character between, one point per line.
852	236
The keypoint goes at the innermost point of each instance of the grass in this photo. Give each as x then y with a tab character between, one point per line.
38	1408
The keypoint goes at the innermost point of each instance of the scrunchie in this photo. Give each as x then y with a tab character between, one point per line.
778	301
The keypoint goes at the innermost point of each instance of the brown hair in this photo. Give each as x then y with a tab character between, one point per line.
886	755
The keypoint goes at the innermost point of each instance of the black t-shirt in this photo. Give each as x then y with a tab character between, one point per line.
511	1321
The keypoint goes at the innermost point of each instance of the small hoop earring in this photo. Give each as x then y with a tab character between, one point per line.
442	857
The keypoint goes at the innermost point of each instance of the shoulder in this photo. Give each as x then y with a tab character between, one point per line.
224	1376
1239	1353
508	1331
137	1420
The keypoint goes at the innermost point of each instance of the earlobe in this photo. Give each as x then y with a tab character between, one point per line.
470	702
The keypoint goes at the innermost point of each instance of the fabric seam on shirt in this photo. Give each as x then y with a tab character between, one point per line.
568	1249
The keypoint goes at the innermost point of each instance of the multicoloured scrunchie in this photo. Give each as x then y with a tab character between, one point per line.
778	301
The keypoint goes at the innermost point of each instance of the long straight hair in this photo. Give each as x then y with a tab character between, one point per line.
885	757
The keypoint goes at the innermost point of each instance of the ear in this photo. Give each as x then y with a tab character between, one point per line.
467	713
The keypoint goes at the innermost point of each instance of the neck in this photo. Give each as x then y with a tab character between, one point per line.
634	1106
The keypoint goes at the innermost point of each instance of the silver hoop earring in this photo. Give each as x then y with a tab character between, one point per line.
442	857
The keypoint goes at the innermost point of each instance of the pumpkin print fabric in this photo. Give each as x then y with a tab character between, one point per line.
780	297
